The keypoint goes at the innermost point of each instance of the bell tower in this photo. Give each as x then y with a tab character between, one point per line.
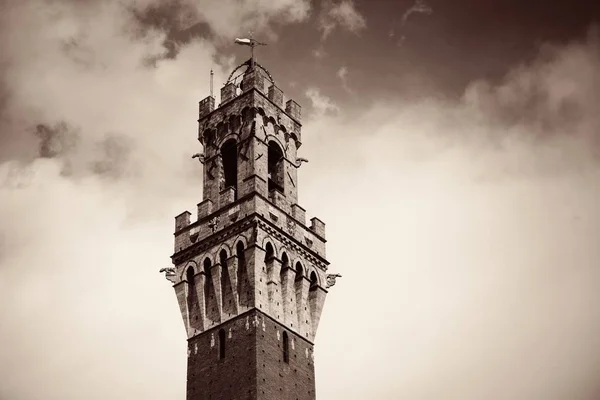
249	273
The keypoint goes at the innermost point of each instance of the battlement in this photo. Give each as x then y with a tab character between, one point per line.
253	78
276	95
317	226
228	92
182	220
206	106
293	109
210	221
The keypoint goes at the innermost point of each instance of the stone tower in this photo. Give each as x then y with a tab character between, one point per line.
250	274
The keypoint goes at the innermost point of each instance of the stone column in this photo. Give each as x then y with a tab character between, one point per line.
181	291
232	268
288	295
274	289
302	286
215	273
199	282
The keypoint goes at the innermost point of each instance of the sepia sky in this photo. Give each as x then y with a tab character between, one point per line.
454	156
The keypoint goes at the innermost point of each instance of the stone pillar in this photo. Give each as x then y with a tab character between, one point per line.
274	289
288	295
199	282
181	293
232	268
302	285
257	275
316	300
215	273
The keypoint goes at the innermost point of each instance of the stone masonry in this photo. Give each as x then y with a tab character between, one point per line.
250	274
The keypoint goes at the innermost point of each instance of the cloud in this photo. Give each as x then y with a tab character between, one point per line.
466	232
230	18
319	52
343	15
342	74
95	146
471	258
419	7
321	104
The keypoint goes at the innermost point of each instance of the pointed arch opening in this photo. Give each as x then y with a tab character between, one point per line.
285	263
269	259
269	252
189	276
230	167
299	271
207	265
275	167
313	280
242	275
226	289
210	300
299	286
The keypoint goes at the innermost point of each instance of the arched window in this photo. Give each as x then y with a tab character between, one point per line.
230	170
225	288
239	251
299	271
221	343
191	287
313	280
242	276
223	258
285	263
190	276
275	167
207	267
269	252
286	347
269	255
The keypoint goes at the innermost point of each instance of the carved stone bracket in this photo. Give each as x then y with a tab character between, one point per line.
170	274
331	280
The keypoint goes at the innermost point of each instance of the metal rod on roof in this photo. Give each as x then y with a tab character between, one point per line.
211	83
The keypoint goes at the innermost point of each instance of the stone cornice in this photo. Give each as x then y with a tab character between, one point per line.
212	240
252	220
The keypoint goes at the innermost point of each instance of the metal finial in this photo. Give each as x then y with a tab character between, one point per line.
211	83
251	42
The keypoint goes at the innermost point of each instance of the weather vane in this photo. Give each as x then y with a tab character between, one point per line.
251	42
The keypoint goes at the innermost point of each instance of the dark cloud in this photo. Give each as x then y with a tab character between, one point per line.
56	139
114	152
463	234
167	17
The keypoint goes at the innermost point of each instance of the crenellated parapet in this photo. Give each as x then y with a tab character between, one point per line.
214	124
188	234
251	264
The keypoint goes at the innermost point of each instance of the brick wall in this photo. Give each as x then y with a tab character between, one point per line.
253	367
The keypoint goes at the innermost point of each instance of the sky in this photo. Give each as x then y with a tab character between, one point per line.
454	155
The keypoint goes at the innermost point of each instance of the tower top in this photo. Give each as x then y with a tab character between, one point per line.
251	42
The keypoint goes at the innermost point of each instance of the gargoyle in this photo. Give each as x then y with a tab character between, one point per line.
170	273
331	280
200	157
299	161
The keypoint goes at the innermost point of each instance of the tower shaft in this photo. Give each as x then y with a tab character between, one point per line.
250	274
